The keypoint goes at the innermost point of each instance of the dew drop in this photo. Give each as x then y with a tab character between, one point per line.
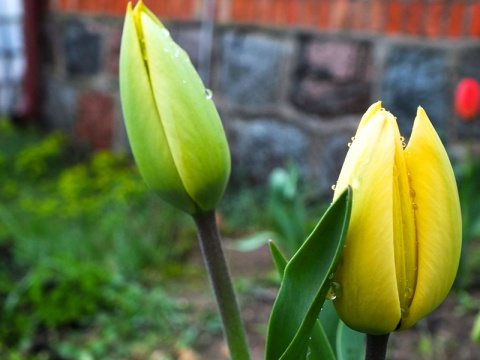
414	206
412	193
404	311
165	32
331	276
402	139
349	144
334	187
352	138
408	292
404	145
334	292
208	94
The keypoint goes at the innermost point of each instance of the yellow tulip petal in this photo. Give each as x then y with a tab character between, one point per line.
188	115
366	271
372	110
145	132
404	231
438	219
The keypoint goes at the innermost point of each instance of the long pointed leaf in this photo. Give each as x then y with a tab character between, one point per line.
306	283
279	259
320	346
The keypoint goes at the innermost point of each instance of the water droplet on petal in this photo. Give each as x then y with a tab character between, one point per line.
412	193
404	311
334	187
334	292
208	94
165	32
331	276
349	144
408	292
414	206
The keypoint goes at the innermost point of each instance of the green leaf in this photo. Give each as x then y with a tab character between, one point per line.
350	343
278	258
306	283
320	348
329	320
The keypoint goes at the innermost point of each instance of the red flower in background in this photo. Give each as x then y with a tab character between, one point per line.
467	98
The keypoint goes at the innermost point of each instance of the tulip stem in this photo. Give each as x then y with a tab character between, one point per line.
220	279
376	347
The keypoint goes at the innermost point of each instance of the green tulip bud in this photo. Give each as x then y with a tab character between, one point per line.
174	129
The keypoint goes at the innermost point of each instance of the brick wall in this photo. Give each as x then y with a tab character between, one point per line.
433	18
284	92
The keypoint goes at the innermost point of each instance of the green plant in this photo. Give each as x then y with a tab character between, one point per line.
72	307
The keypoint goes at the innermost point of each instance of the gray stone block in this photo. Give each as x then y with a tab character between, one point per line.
332	77
82	49
250	68
59	108
188	38
417	76
260	145
330	160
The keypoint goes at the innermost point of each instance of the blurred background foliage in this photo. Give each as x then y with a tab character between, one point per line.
81	241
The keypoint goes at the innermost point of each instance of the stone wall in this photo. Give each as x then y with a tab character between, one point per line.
284	94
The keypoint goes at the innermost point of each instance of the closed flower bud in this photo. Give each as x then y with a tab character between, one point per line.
174	130
403	243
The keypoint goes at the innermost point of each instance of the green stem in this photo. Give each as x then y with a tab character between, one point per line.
220	279
376	347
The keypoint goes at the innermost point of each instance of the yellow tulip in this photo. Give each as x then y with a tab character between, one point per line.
403	243
174	130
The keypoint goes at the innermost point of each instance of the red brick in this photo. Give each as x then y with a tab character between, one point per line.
456	19
357	15
95	123
239	10
292	12
475	20
309	12
339	14
377	15
395	17
280	10
435	19
414	13
324	14
119	7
